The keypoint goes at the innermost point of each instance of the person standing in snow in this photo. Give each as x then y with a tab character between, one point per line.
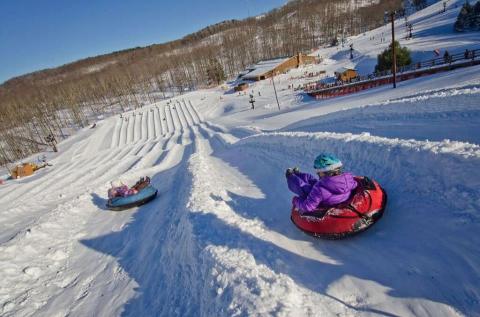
331	188
447	57
252	102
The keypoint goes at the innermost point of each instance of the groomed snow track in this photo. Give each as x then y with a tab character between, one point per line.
432	204
55	219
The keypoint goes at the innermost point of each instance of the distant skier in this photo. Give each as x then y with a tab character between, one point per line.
333	186
447	57
252	102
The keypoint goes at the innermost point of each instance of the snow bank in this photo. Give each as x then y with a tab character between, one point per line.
422	248
409	164
448	113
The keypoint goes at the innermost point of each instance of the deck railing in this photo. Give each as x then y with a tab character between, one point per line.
457	60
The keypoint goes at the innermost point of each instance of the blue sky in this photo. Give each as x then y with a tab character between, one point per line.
38	34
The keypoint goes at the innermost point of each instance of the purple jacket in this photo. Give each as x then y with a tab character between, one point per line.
313	192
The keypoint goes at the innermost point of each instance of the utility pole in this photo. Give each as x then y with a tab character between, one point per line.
394	57
274	89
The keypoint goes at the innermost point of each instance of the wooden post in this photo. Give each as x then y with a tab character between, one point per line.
394	57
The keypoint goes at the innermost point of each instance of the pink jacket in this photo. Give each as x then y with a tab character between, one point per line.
122	191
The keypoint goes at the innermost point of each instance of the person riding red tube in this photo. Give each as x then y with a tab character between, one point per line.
331	188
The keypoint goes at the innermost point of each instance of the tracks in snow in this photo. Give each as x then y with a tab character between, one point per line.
218	237
155	123
39	246
430	216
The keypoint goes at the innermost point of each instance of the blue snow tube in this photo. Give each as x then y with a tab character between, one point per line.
142	197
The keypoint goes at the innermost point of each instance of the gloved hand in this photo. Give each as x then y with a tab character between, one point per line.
288	172
295	201
296	170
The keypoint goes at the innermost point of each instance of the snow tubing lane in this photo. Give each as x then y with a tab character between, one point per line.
363	209
142	197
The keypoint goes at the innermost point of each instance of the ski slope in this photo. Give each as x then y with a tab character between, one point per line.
218	240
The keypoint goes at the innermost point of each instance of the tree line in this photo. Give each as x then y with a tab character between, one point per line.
468	18
40	107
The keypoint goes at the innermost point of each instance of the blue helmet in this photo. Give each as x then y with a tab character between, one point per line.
326	162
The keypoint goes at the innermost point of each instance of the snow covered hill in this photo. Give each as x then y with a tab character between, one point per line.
218	240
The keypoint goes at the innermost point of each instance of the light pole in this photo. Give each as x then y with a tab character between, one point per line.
275	89
394	56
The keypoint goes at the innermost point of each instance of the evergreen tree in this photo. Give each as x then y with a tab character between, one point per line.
468	17
476	8
476	12
459	25
384	60
420	4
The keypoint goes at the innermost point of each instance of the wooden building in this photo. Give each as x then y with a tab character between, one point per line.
346	74
268	68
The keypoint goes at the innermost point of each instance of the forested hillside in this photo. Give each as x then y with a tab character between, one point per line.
45	102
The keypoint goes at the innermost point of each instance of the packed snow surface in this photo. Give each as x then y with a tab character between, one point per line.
218	240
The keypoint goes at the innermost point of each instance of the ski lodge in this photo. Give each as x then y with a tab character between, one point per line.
268	68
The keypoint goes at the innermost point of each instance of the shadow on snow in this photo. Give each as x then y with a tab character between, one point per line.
161	246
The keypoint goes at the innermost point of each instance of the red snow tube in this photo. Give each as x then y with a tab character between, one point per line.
364	208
